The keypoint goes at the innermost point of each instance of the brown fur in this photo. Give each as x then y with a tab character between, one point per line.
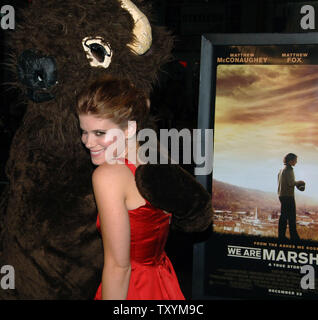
171	188
48	227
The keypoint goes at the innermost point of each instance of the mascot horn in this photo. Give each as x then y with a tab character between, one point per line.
48	214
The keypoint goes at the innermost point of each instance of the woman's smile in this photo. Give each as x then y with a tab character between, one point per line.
96	153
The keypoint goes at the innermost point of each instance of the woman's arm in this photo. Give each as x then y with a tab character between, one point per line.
109	191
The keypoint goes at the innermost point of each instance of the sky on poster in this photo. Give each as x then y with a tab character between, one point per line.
262	113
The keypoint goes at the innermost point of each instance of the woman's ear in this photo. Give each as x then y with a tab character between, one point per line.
131	129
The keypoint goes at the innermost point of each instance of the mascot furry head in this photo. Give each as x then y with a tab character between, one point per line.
48	212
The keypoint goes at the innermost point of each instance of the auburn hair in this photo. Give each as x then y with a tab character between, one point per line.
115	99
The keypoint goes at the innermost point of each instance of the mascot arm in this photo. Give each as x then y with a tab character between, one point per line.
171	188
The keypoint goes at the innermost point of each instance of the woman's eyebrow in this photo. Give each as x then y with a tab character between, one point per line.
95	130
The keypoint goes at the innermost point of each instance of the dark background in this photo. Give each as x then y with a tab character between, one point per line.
175	98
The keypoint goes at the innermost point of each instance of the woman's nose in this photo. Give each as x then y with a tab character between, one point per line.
88	141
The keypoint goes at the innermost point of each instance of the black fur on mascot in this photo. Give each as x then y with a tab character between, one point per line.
48	213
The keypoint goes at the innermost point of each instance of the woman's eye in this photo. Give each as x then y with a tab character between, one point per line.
99	133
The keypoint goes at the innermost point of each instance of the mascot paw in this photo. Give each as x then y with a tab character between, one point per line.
171	188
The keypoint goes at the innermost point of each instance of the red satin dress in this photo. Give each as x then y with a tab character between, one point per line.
152	274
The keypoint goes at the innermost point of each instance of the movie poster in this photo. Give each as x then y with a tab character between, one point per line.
266	106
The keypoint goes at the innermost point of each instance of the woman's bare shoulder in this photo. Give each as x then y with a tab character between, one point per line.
110	173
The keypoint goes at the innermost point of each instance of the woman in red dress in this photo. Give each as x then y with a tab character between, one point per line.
134	233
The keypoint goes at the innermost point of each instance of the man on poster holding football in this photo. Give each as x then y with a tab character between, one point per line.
286	186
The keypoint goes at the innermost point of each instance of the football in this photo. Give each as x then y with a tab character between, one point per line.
301	187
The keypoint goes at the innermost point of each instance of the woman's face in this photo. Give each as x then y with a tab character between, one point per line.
97	136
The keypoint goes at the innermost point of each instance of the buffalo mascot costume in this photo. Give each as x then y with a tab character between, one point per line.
48	213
